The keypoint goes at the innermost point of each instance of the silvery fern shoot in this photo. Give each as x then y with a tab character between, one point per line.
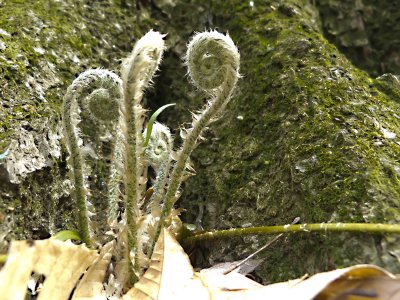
109	157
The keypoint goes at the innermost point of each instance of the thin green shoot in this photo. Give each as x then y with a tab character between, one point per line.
3	258
67	235
367	228
152	120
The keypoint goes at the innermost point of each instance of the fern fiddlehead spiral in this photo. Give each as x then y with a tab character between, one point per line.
137	72
89	134
158	155
103	121
213	66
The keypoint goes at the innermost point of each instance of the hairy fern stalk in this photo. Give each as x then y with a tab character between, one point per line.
104	125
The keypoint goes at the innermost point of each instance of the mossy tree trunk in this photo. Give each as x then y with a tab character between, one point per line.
44	45
308	134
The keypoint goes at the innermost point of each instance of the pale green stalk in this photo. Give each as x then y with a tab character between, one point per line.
213	65
319	227
136	72
86	128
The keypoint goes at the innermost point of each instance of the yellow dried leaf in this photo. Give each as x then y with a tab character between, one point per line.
62	264
91	285
69	262
170	275
322	286
364	281
14	276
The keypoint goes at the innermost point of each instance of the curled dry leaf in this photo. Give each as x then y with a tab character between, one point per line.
61	263
349	283
91	285
171	276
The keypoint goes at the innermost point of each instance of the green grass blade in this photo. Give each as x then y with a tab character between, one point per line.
67	235
152	120
3	258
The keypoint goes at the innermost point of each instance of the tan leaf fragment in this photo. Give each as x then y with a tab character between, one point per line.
230	286
363	280
91	285
14	276
62	264
169	276
322	286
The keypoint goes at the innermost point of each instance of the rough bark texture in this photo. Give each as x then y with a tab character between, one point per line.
308	134
367	31
44	45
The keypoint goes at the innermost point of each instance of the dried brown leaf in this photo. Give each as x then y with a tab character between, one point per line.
62	264
14	276
322	286
171	277
91	285
170	274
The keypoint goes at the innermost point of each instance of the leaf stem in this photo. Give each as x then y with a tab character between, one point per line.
271	242
373	228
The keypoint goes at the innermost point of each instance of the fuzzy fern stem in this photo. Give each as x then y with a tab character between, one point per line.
157	154
79	191
137	72
319	227
87	130
213	66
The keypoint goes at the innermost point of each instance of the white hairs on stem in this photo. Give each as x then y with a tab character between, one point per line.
213	66
87	130
137	72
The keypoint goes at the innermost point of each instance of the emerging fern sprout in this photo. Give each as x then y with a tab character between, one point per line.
158	155
90	119
103	121
213	66
137	72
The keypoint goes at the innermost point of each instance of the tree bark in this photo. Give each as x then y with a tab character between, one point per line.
307	134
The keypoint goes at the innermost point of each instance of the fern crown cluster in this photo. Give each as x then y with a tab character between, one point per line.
105	130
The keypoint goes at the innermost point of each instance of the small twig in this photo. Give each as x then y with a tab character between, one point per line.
235	266
367	228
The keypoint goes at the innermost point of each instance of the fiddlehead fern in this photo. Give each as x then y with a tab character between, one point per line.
213	66
137	72
159	148
90	117
103	120
213	62
158	156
